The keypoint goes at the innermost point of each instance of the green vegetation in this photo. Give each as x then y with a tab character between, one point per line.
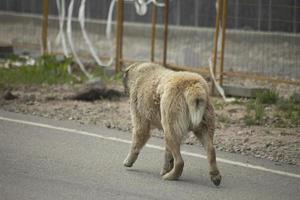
224	118
268	97
256	107
255	113
218	105
287	111
47	70
98	72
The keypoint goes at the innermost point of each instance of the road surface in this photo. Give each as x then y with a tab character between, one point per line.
46	159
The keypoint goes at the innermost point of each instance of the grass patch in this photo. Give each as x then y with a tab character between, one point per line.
268	97
47	70
255	113
99	72
224	119
256	107
218	105
287	112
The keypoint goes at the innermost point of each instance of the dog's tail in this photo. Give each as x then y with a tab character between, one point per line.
196	97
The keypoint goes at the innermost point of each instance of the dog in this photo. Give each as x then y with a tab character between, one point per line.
176	103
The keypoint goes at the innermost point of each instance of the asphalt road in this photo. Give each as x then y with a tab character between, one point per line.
64	160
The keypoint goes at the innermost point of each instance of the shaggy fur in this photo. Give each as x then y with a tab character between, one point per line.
175	102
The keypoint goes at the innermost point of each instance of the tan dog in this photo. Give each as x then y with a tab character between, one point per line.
175	102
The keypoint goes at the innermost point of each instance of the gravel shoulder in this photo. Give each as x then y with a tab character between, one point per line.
281	145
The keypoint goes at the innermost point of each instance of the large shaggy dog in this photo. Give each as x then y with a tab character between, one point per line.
175	102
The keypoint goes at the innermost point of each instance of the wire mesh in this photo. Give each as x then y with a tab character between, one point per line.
262	36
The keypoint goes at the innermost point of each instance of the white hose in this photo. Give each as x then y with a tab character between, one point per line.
70	40
217	85
81	18
109	19
141	6
61	35
61	38
139	10
158	4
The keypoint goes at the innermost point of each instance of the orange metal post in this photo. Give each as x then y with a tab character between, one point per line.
153	37
216	36
45	26
119	35
224	26
166	22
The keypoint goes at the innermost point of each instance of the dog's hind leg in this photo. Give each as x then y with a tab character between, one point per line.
207	142
205	134
173	145
168	162
173	121
140	135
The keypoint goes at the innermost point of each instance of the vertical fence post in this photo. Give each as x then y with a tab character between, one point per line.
153	36
166	22
216	37
119	35
295	17
224	26
45	26
236	14
259	18
270	16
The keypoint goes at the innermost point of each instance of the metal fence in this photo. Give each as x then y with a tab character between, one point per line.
260	15
262	36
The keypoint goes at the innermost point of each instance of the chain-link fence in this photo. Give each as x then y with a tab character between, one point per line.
262	35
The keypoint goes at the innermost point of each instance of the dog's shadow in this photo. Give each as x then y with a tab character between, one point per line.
142	173
195	181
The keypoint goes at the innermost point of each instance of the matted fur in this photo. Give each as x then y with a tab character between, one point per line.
175	102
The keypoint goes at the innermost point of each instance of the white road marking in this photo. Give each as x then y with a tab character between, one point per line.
222	160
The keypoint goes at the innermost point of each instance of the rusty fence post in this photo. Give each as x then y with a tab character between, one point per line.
216	36
166	22
224	26
119	35
153	36
45	26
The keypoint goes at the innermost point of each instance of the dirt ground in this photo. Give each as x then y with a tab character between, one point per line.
281	145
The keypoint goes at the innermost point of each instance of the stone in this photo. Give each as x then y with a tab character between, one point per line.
9	96
6	51
297	97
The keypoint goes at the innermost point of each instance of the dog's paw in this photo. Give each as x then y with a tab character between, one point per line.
127	163
130	159
163	172
166	169
170	177
216	178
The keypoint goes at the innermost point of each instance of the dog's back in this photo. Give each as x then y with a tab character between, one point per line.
154	89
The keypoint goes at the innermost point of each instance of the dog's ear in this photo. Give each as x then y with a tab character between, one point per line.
130	67
125	74
125	80
124	70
